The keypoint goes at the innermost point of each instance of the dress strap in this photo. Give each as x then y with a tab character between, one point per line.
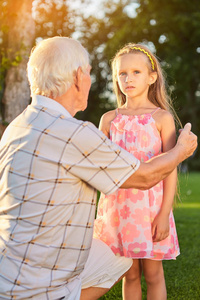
117	111
153	112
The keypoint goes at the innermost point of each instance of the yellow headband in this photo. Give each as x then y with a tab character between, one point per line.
145	52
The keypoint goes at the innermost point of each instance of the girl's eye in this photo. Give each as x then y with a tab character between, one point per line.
122	74
136	72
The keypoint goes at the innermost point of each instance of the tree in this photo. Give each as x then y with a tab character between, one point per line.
18	41
19	31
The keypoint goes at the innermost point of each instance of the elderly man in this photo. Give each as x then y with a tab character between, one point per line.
51	165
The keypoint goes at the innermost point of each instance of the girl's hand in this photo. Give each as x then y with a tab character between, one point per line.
160	227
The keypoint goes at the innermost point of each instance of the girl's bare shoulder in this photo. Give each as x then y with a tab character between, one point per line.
165	115
109	116
163	118
106	120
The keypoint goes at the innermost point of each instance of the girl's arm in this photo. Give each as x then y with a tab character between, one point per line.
160	225
159	167
105	122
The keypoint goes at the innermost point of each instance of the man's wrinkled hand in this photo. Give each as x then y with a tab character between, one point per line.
188	140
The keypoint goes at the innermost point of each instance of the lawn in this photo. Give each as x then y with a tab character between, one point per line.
182	275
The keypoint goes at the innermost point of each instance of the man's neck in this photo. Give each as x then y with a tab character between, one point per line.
67	100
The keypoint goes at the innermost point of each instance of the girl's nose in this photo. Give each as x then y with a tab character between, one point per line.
128	78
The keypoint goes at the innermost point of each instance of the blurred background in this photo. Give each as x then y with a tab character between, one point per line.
171	29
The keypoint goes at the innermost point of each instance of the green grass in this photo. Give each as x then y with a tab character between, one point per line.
182	275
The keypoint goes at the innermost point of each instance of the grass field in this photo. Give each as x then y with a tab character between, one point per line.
182	275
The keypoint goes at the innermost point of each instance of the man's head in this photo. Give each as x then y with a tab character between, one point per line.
53	64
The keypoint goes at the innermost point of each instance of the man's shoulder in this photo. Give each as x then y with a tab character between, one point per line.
79	130
76	122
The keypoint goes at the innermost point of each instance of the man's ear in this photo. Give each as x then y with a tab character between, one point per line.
78	78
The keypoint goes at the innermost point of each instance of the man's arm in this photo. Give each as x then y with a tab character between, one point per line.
157	168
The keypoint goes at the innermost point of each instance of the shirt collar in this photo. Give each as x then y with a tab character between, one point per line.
51	104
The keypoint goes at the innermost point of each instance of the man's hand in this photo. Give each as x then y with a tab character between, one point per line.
187	140
157	168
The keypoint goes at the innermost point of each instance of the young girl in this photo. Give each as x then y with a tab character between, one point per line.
140	223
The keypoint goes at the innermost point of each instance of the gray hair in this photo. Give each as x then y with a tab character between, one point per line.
52	65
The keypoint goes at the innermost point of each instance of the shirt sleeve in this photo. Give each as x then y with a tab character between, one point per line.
98	161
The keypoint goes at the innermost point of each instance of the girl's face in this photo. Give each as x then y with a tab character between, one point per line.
133	75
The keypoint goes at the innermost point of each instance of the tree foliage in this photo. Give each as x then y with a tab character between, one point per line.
53	18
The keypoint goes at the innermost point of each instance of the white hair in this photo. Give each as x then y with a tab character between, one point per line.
52	65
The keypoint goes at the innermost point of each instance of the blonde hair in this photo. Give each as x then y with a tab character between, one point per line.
52	65
157	93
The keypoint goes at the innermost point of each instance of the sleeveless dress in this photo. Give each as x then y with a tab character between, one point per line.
124	218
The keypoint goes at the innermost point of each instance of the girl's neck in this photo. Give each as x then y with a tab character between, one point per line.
137	104
137	107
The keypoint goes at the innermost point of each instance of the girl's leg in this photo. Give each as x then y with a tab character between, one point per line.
132	282
154	276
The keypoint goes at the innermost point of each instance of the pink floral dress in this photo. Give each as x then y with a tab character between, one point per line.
124	218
